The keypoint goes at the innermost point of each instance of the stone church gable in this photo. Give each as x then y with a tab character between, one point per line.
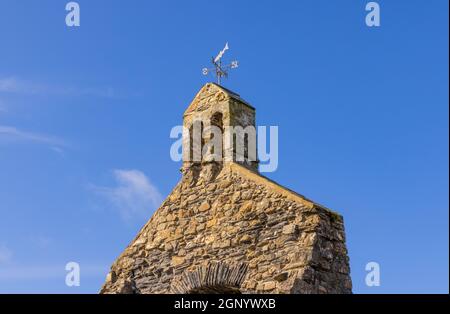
225	228
285	243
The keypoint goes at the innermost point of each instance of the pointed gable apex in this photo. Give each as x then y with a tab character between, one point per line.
210	94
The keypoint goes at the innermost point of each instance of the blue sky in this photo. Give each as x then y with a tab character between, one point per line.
85	116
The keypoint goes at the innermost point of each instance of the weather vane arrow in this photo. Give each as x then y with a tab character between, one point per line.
220	70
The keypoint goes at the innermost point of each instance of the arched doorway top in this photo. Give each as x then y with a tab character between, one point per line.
214	277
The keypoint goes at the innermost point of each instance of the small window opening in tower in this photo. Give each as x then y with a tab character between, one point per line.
217	120
246	147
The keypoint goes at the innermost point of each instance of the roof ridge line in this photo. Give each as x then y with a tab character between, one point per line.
288	192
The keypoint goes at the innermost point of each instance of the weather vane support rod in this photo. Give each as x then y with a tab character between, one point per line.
220	70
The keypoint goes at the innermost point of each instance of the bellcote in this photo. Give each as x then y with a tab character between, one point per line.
219	127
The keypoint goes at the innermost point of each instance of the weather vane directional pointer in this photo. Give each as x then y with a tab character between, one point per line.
220	70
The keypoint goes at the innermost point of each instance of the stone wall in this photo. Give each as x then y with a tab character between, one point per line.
230	230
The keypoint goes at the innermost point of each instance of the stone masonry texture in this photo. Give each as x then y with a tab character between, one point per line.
227	229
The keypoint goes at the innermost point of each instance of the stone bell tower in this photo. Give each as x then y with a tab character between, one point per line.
225	228
219	114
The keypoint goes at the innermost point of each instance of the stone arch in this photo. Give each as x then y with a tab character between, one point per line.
217	119
214	277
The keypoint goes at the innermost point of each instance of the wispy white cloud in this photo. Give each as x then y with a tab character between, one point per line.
9	133
3	107
20	86
15	85
58	150
5	254
38	272
41	241
8	85
133	196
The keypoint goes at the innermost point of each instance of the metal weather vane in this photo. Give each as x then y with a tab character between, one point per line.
220	70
